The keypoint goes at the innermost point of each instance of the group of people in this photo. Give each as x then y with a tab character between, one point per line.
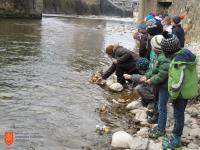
164	71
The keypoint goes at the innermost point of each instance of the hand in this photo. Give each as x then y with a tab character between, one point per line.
143	78
114	61
148	82
127	76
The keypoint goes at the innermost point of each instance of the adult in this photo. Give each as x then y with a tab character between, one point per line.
167	26
141	35
178	30
123	61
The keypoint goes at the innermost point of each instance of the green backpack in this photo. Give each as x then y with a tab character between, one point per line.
183	79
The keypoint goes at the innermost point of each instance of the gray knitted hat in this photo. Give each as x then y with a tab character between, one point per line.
170	43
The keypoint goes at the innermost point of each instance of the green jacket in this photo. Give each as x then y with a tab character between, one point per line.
159	74
183	79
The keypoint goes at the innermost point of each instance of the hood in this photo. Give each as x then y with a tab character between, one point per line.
185	55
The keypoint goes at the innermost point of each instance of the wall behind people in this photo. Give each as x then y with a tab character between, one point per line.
191	11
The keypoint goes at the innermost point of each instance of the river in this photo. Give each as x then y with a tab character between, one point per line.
45	97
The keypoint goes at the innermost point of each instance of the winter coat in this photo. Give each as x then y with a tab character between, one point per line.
179	32
159	74
124	57
183	80
142	38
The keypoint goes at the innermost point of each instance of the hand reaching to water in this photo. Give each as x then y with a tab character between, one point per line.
127	76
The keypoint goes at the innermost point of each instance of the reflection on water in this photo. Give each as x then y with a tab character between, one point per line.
44	89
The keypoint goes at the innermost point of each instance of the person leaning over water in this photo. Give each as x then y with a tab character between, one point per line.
123	61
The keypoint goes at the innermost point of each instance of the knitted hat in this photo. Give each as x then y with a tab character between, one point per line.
176	19
148	18
142	26
109	49
170	43
155	43
142	64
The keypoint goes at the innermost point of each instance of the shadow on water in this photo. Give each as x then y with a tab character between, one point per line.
45	96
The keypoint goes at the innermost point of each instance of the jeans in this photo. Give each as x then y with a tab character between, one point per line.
162	108
179	106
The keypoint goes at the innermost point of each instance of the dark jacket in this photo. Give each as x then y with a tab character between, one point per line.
179	32
124	57
142	38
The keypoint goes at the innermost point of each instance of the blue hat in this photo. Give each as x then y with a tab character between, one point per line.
142	26
149	17
142	63
176	19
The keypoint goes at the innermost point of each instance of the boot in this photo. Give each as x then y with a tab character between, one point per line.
172	143
155	133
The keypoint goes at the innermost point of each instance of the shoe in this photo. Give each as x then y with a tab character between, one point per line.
152	119
171	143
155	133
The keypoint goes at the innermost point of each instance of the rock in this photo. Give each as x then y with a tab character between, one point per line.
134	105
143	132
117	87
194	133
109	82
154	146
139	143
121	139
140	115
22	8
193	111
192	146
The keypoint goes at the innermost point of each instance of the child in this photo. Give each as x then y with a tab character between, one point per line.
145	91
182	85
158	78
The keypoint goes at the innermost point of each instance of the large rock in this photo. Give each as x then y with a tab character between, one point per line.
117	87
121	139
124	140
143	132
139	143
21	9
134	105
154	146
140	115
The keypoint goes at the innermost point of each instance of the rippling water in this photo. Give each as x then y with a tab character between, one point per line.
45	96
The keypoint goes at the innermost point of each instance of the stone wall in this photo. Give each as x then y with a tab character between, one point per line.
191	9
21	8
79	7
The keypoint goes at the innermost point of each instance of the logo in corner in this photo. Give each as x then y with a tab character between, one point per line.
8	138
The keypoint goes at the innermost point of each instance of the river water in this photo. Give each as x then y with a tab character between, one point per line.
45	97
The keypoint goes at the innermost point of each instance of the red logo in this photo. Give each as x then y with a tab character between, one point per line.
9	138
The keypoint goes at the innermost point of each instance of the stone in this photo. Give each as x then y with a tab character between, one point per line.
143	132
21	9
139	143
117	87
192	146
134	105
154	146
121	139
140	115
